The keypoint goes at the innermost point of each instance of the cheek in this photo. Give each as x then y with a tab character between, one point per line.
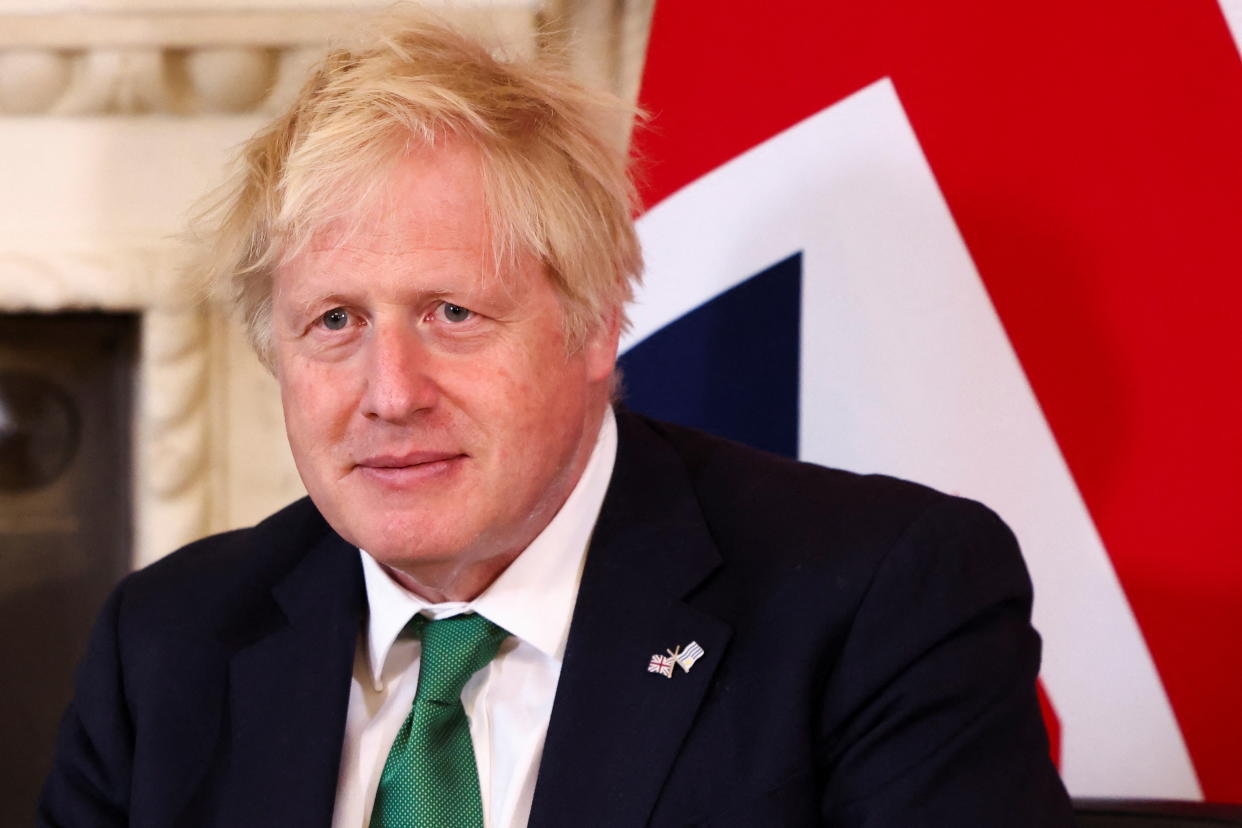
315	401
523	407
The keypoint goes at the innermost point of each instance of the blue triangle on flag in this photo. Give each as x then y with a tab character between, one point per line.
730	366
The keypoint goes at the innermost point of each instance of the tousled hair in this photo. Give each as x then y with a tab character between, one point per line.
555	178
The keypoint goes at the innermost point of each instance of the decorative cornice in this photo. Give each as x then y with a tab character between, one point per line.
186	60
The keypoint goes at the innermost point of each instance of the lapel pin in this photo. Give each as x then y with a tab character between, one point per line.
662	665
684	657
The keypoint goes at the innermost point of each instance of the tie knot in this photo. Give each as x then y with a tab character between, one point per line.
454	649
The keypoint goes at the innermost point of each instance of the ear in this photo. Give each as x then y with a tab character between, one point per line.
599	350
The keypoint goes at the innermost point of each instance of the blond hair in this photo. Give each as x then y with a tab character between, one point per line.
555	180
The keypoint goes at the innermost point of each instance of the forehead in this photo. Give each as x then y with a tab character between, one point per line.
429	198
424	228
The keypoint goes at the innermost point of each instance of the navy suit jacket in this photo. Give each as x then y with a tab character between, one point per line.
868	661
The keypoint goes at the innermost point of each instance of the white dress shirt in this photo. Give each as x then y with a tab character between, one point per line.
508	702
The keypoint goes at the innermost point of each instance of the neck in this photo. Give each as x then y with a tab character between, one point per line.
453	586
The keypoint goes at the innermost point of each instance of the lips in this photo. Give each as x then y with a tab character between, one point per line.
403	470
414	458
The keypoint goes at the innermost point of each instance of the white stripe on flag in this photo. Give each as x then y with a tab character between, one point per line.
1232	9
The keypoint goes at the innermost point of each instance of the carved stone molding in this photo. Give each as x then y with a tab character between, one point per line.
172	482
188	61
174	492
115	278
606	39
144	80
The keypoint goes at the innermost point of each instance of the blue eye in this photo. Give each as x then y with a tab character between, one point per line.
335	319
455	313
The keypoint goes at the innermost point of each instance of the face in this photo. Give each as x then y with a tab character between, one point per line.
436	416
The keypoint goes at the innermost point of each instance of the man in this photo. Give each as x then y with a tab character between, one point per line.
505	603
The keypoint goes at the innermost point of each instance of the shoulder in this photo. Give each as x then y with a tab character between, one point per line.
789	530
222	577
752	494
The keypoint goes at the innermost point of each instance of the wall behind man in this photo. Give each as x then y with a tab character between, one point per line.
115	117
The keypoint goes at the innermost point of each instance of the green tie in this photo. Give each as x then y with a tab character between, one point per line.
430	779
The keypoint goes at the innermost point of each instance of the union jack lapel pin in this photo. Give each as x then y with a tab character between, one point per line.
684	657
662	665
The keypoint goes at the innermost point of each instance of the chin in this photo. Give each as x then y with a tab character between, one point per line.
408	550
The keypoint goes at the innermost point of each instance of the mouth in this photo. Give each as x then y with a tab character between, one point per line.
403	470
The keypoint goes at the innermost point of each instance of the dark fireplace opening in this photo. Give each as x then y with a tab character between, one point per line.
66	529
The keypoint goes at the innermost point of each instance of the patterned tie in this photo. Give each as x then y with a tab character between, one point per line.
430	779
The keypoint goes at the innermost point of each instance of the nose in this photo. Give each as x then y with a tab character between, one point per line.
400	376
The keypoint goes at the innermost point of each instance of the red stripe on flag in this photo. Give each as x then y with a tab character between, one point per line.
1091	154
1052	723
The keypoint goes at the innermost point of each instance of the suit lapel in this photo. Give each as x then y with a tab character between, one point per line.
616	728
289	692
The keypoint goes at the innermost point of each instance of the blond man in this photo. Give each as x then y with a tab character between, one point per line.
505	601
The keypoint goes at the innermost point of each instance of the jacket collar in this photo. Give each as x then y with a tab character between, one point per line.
616	728
289	693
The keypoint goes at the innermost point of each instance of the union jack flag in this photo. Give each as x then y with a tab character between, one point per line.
662	665
810	173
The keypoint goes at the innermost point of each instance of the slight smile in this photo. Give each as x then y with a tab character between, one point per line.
402	470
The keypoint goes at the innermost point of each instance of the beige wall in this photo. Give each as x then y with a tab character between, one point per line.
115	116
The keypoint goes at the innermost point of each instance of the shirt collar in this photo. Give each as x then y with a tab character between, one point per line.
533	599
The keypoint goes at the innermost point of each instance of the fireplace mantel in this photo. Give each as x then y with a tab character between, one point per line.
115	117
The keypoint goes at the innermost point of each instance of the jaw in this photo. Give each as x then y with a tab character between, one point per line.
451	526
456	559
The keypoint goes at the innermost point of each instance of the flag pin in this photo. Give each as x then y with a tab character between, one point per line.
685	657
660	664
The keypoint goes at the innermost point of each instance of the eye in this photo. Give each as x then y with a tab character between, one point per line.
455	313
335	319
